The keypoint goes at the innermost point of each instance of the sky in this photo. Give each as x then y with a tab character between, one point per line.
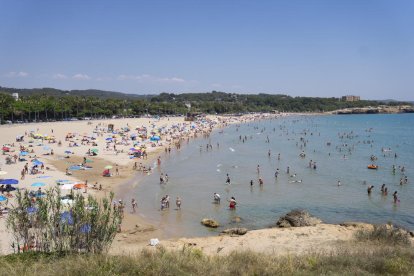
300	48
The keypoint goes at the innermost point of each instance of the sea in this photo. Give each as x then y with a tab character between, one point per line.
338	147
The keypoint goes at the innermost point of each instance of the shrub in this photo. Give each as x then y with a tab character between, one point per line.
386	233
49	225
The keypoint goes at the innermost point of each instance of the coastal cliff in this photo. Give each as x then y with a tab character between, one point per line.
382	109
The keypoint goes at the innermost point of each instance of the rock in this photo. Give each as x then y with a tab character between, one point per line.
210	223
236	219
297	218
235	231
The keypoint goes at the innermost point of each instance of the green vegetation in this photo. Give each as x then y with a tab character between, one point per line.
53	104
72	224
350	259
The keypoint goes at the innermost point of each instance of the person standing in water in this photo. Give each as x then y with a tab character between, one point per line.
178	203
369	190
395	197
216	198
233	203
228	179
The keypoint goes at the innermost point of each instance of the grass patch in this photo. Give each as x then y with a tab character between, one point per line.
385	234
359	259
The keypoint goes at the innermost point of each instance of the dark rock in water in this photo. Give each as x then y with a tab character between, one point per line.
235	231
210	223
297	218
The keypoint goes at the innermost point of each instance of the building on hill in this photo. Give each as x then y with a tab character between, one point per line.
15	96
351	98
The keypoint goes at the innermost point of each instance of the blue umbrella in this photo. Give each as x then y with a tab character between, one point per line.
86	228
24	153
37	162
108	139
68	151
38	184
9	181
3	198
66	217
155	138
31	210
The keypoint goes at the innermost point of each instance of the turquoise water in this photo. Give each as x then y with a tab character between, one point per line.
195	174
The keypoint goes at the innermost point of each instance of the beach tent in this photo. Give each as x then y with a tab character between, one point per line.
9	181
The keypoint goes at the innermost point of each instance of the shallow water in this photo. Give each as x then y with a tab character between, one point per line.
195	174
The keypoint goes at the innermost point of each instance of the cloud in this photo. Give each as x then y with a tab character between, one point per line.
81	77
20	74
60	76
150	78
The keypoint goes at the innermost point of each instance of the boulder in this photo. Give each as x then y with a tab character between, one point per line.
236	219
210	223
235	231
297	218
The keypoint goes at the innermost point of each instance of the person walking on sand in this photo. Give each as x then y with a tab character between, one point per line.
134	205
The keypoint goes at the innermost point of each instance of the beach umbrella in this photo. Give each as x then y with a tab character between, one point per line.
46	148
38	184
3	172
108	167
108	139
94	150
37	162
24	153
155	138
9	181
79	186
3	198
5	148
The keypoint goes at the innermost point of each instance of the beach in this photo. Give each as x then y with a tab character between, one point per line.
87	149
78	152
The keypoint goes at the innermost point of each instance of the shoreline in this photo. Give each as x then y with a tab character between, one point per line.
56	160
137	230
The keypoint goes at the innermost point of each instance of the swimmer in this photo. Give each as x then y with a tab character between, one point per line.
216	198
369	190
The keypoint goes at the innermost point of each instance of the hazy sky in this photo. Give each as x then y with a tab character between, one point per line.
300	48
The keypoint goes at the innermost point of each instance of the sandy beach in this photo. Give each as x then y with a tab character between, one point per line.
75	142
63	148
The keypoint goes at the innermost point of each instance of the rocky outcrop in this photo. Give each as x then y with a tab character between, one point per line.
235	231
210	223
297	218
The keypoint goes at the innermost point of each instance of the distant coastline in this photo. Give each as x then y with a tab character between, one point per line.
382	109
